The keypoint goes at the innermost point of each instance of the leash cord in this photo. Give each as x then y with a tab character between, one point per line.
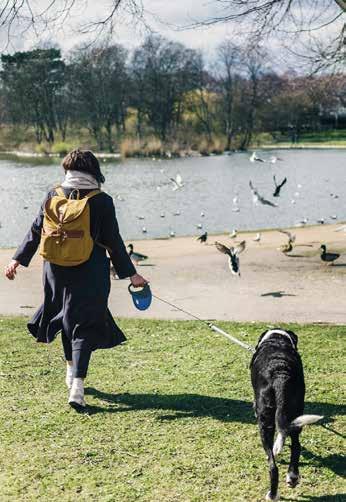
209	324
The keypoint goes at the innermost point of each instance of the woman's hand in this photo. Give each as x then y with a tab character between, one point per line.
138	281
11	269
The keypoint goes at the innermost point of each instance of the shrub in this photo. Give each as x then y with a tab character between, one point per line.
62	148
43	149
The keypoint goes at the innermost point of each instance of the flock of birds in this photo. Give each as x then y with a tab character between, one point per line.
233	252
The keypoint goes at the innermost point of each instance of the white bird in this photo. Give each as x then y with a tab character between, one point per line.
257	238
235	207
299	185
234	234
202	214
177	213
274	159
177	182
162	215
254	158
140	217
199	225
172	233
333	217
302	222
320	221
293	201
144	230
296	194
256	197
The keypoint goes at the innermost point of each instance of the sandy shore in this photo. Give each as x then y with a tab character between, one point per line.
272	287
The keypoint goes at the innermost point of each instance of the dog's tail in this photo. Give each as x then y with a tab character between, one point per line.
285	428
304	420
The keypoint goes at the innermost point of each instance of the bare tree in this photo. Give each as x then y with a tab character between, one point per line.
21	16
229	56
299	24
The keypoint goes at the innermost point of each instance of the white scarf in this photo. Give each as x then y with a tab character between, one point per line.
79	180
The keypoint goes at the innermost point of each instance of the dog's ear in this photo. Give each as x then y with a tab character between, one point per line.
293	337
260	338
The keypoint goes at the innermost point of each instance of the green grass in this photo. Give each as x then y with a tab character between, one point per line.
323	139
170	418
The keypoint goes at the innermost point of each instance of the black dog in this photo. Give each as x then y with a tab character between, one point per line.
278	381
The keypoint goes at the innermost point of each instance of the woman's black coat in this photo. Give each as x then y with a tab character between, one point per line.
76	298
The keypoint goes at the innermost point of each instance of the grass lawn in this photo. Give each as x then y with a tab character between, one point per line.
170	418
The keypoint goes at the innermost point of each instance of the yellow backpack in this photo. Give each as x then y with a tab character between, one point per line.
65	237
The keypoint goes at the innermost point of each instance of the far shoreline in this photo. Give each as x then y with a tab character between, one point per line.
301	229
183	154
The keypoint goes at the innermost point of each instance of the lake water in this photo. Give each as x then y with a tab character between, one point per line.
141	189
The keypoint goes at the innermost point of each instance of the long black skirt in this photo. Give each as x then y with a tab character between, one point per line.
76	302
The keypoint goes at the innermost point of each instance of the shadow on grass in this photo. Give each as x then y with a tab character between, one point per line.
339	497
194	405
334	462
177	406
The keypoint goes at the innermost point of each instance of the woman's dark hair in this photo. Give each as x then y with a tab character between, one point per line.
83	160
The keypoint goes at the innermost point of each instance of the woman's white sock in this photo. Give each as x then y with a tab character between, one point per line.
77	392
69	376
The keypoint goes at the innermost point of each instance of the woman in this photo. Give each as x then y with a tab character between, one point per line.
76	297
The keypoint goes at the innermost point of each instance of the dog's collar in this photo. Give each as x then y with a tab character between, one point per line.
277	332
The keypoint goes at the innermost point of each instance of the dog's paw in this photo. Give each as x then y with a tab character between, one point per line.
270	497
292	479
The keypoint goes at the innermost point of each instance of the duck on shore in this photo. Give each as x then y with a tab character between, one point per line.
328	258
136	257
287	248
203	238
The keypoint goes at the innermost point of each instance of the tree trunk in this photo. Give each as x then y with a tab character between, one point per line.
109	136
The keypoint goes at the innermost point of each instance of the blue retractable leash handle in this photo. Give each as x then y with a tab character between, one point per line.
141	297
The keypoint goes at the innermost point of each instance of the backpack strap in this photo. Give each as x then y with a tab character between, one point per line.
92	194
60	191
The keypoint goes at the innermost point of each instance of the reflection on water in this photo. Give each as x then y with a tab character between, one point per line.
141	188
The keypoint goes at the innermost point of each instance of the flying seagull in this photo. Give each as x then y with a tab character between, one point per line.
233	255
177	182
274	159
278	186
256	197
254	158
